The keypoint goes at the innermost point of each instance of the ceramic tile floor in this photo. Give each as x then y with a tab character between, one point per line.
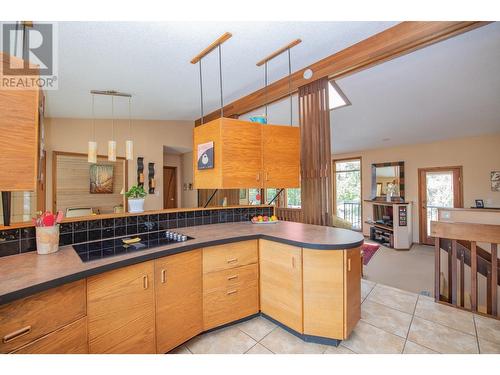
392	321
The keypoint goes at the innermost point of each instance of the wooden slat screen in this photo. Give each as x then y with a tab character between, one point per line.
315	162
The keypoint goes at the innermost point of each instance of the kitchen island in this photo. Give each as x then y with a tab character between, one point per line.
304	277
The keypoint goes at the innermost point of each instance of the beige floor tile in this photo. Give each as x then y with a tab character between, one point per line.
338	350
367	339
413	348
446	315
441	338
259	349
390	320
488	328
224	341
257	327
180	350
366	288
280	341
392	297
488	347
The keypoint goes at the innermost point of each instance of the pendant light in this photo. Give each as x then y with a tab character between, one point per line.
92	145
129	145
112	142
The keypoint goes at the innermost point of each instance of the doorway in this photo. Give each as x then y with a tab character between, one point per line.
439	187
347	186
169	187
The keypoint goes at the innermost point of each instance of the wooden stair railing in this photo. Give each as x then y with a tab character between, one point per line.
462	251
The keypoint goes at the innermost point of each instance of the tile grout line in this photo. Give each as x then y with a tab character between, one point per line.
411	322
477	336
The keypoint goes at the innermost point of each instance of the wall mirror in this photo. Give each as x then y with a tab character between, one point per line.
388	181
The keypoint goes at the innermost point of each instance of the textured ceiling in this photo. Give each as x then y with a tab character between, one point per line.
151	61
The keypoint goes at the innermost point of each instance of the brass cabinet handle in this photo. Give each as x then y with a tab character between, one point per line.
232	260
16	334
232	277
163	276
348	264
293	262
145	282
229	292
258	176
267	176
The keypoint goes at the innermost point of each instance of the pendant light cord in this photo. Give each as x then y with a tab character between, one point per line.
220	80
290	86
201	91
265	85
112	117
93	118
129	119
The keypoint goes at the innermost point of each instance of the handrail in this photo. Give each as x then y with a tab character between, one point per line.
466	231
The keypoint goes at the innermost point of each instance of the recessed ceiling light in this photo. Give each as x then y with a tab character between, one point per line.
385	139
336	98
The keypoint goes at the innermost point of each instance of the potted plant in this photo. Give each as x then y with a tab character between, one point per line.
136	195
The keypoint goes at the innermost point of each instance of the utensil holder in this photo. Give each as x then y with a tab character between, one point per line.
47	239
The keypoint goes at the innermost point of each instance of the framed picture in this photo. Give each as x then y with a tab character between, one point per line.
205	155
479	203
495	181
101	179
243	193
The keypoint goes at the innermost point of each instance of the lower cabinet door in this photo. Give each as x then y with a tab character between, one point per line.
70	339
120	310
352	289
178	289
281	283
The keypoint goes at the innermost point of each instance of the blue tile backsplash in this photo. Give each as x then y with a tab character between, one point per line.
17	241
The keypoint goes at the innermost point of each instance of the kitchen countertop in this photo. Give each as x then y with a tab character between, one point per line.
25	274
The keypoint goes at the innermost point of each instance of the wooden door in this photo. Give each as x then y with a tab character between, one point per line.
281	283
281	156
169	187
352	289
439	187
178	289
120	310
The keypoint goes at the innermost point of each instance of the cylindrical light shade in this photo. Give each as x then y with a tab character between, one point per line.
112	150
129	150
92	152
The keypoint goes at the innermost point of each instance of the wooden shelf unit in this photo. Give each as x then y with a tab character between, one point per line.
399	235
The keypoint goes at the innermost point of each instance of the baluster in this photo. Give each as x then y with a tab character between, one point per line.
452	288
488	291
437	269
473	270
462	278
494	278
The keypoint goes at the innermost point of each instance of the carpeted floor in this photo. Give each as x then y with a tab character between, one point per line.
411	270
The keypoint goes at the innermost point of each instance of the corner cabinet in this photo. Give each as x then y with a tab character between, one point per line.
248	154
19	135
178	291
121	310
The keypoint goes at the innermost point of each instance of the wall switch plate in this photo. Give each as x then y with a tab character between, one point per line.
445	214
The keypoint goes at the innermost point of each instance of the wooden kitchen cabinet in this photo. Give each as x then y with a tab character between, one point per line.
28	319
281	156
332	299
121	310
281	283
178	291
19	135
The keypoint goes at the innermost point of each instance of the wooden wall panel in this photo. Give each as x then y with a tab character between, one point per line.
315	160
71	183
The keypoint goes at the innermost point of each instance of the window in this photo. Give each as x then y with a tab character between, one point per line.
293	198
270	194
254	197
336	98
348	191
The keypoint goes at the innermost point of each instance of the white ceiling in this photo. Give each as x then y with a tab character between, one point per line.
151	61
447	90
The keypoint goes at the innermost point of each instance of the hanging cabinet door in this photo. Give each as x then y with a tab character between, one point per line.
281	283
281	156
178	289
120	310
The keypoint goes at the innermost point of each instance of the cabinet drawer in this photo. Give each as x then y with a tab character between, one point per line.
70	339
30	318
222	257
230	304
231	278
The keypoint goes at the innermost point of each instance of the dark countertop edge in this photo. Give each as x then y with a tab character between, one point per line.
21	293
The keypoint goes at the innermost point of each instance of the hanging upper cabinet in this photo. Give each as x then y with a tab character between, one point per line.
234	154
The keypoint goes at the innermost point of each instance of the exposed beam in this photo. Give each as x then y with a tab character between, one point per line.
396	41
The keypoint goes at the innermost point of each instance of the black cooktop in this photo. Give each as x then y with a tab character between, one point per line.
108	248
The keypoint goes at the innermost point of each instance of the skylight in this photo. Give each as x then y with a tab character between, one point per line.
336	97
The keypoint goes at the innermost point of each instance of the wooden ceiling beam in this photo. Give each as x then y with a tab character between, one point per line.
396	41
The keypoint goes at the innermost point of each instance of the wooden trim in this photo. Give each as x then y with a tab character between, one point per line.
494	278
437	269
279	52
55	154
489	233
473	273
396	41
217	42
